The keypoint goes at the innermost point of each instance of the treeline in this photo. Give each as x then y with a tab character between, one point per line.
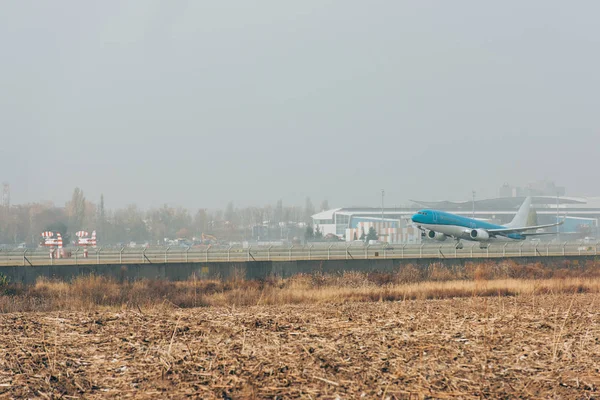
24	223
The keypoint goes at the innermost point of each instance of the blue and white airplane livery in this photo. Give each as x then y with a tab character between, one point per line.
440	225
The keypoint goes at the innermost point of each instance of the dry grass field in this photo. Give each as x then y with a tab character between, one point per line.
344	336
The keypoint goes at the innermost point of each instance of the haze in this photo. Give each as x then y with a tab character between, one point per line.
198	103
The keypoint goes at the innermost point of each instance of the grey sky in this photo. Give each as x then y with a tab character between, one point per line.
197	103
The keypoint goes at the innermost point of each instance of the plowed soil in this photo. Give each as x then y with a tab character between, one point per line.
525	346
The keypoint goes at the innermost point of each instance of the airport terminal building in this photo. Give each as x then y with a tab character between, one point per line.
394	225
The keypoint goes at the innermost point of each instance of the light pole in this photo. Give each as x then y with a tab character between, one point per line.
381	229
557	216
382	194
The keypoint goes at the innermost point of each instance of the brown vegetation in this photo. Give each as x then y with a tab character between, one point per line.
527	346
408	283
308	336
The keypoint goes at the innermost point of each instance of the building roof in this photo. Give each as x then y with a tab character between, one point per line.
499	203
326	214
545	205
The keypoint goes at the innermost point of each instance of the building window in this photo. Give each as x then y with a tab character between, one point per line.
341	219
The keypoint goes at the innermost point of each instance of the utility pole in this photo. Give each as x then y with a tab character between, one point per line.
473	204
381	228
6	195
557	226
382	194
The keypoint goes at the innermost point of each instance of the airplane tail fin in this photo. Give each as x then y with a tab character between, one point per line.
520	220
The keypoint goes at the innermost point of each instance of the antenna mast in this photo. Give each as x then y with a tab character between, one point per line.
6	195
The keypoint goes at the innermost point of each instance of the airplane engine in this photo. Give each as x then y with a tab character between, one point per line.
479	234
436	235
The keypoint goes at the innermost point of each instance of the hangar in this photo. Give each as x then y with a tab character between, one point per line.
394	225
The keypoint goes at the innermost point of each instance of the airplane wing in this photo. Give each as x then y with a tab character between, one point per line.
537	234
523	229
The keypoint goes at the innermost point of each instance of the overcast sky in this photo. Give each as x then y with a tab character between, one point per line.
197	103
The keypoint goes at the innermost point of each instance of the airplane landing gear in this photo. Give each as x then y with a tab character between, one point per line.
459	245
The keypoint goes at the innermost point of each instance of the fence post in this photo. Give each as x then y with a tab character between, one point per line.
249	248
596	249
76	251
121	255
504	249
24	256
564	245
269	253
487	249
98	255
421	250
290	253
547	249
187	259
474	244
144	255
402	253
166	252
384	252
521	249
329	252
206	255
367	251
229	253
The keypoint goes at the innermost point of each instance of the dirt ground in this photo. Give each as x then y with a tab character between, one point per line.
525	346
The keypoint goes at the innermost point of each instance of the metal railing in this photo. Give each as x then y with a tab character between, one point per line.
317	251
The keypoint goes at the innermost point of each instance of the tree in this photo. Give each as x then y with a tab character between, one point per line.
363	237
309	210
372	235
76	210
132	222
101	211
324	205
258	214
58	227
318	233
101	218
183	233
278	216
229	212
309	235
200	223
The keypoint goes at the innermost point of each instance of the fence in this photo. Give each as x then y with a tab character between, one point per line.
337	251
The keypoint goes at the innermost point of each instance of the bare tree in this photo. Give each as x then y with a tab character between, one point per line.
76	210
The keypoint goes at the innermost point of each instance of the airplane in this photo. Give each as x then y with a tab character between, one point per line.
440	225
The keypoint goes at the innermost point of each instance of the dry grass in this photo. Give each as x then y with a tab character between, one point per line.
474	332
408	283
527	346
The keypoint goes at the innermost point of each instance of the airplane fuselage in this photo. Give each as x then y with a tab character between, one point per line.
459	227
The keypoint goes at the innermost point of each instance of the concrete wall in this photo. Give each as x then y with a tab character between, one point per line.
254	269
